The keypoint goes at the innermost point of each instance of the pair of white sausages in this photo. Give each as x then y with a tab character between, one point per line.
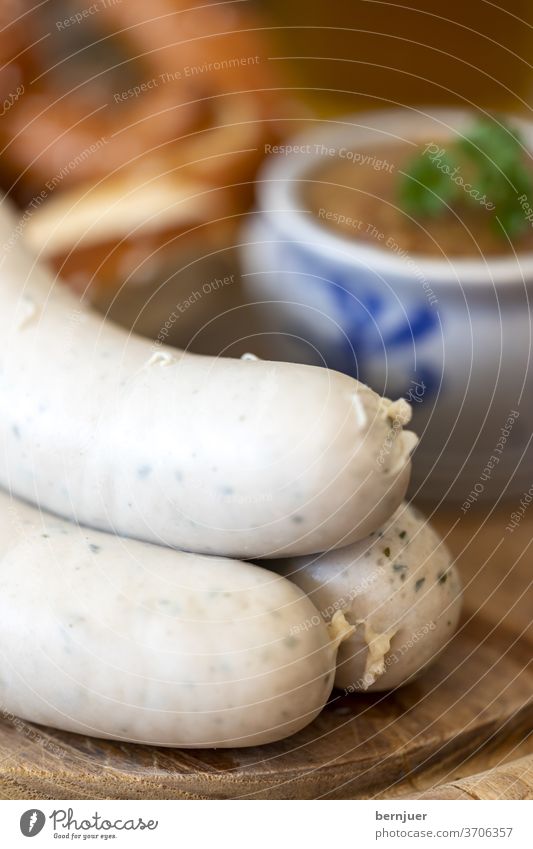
117	638
240	458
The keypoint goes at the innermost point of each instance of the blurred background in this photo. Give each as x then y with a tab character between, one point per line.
132	134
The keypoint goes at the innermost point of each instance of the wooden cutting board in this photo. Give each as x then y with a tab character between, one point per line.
472	710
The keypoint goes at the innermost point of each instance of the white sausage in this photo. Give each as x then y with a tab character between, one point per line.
237	458
123	639
401	589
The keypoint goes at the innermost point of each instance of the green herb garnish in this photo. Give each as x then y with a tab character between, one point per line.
484	169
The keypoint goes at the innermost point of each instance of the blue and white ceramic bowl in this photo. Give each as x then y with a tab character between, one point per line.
452	336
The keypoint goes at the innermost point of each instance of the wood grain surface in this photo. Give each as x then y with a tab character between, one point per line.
512	781
470	715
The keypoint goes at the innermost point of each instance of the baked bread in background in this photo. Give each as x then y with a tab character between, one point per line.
134	145
189	83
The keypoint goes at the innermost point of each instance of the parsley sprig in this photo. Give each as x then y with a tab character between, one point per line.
489	158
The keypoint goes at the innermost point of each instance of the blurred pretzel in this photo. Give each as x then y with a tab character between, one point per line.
125	84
